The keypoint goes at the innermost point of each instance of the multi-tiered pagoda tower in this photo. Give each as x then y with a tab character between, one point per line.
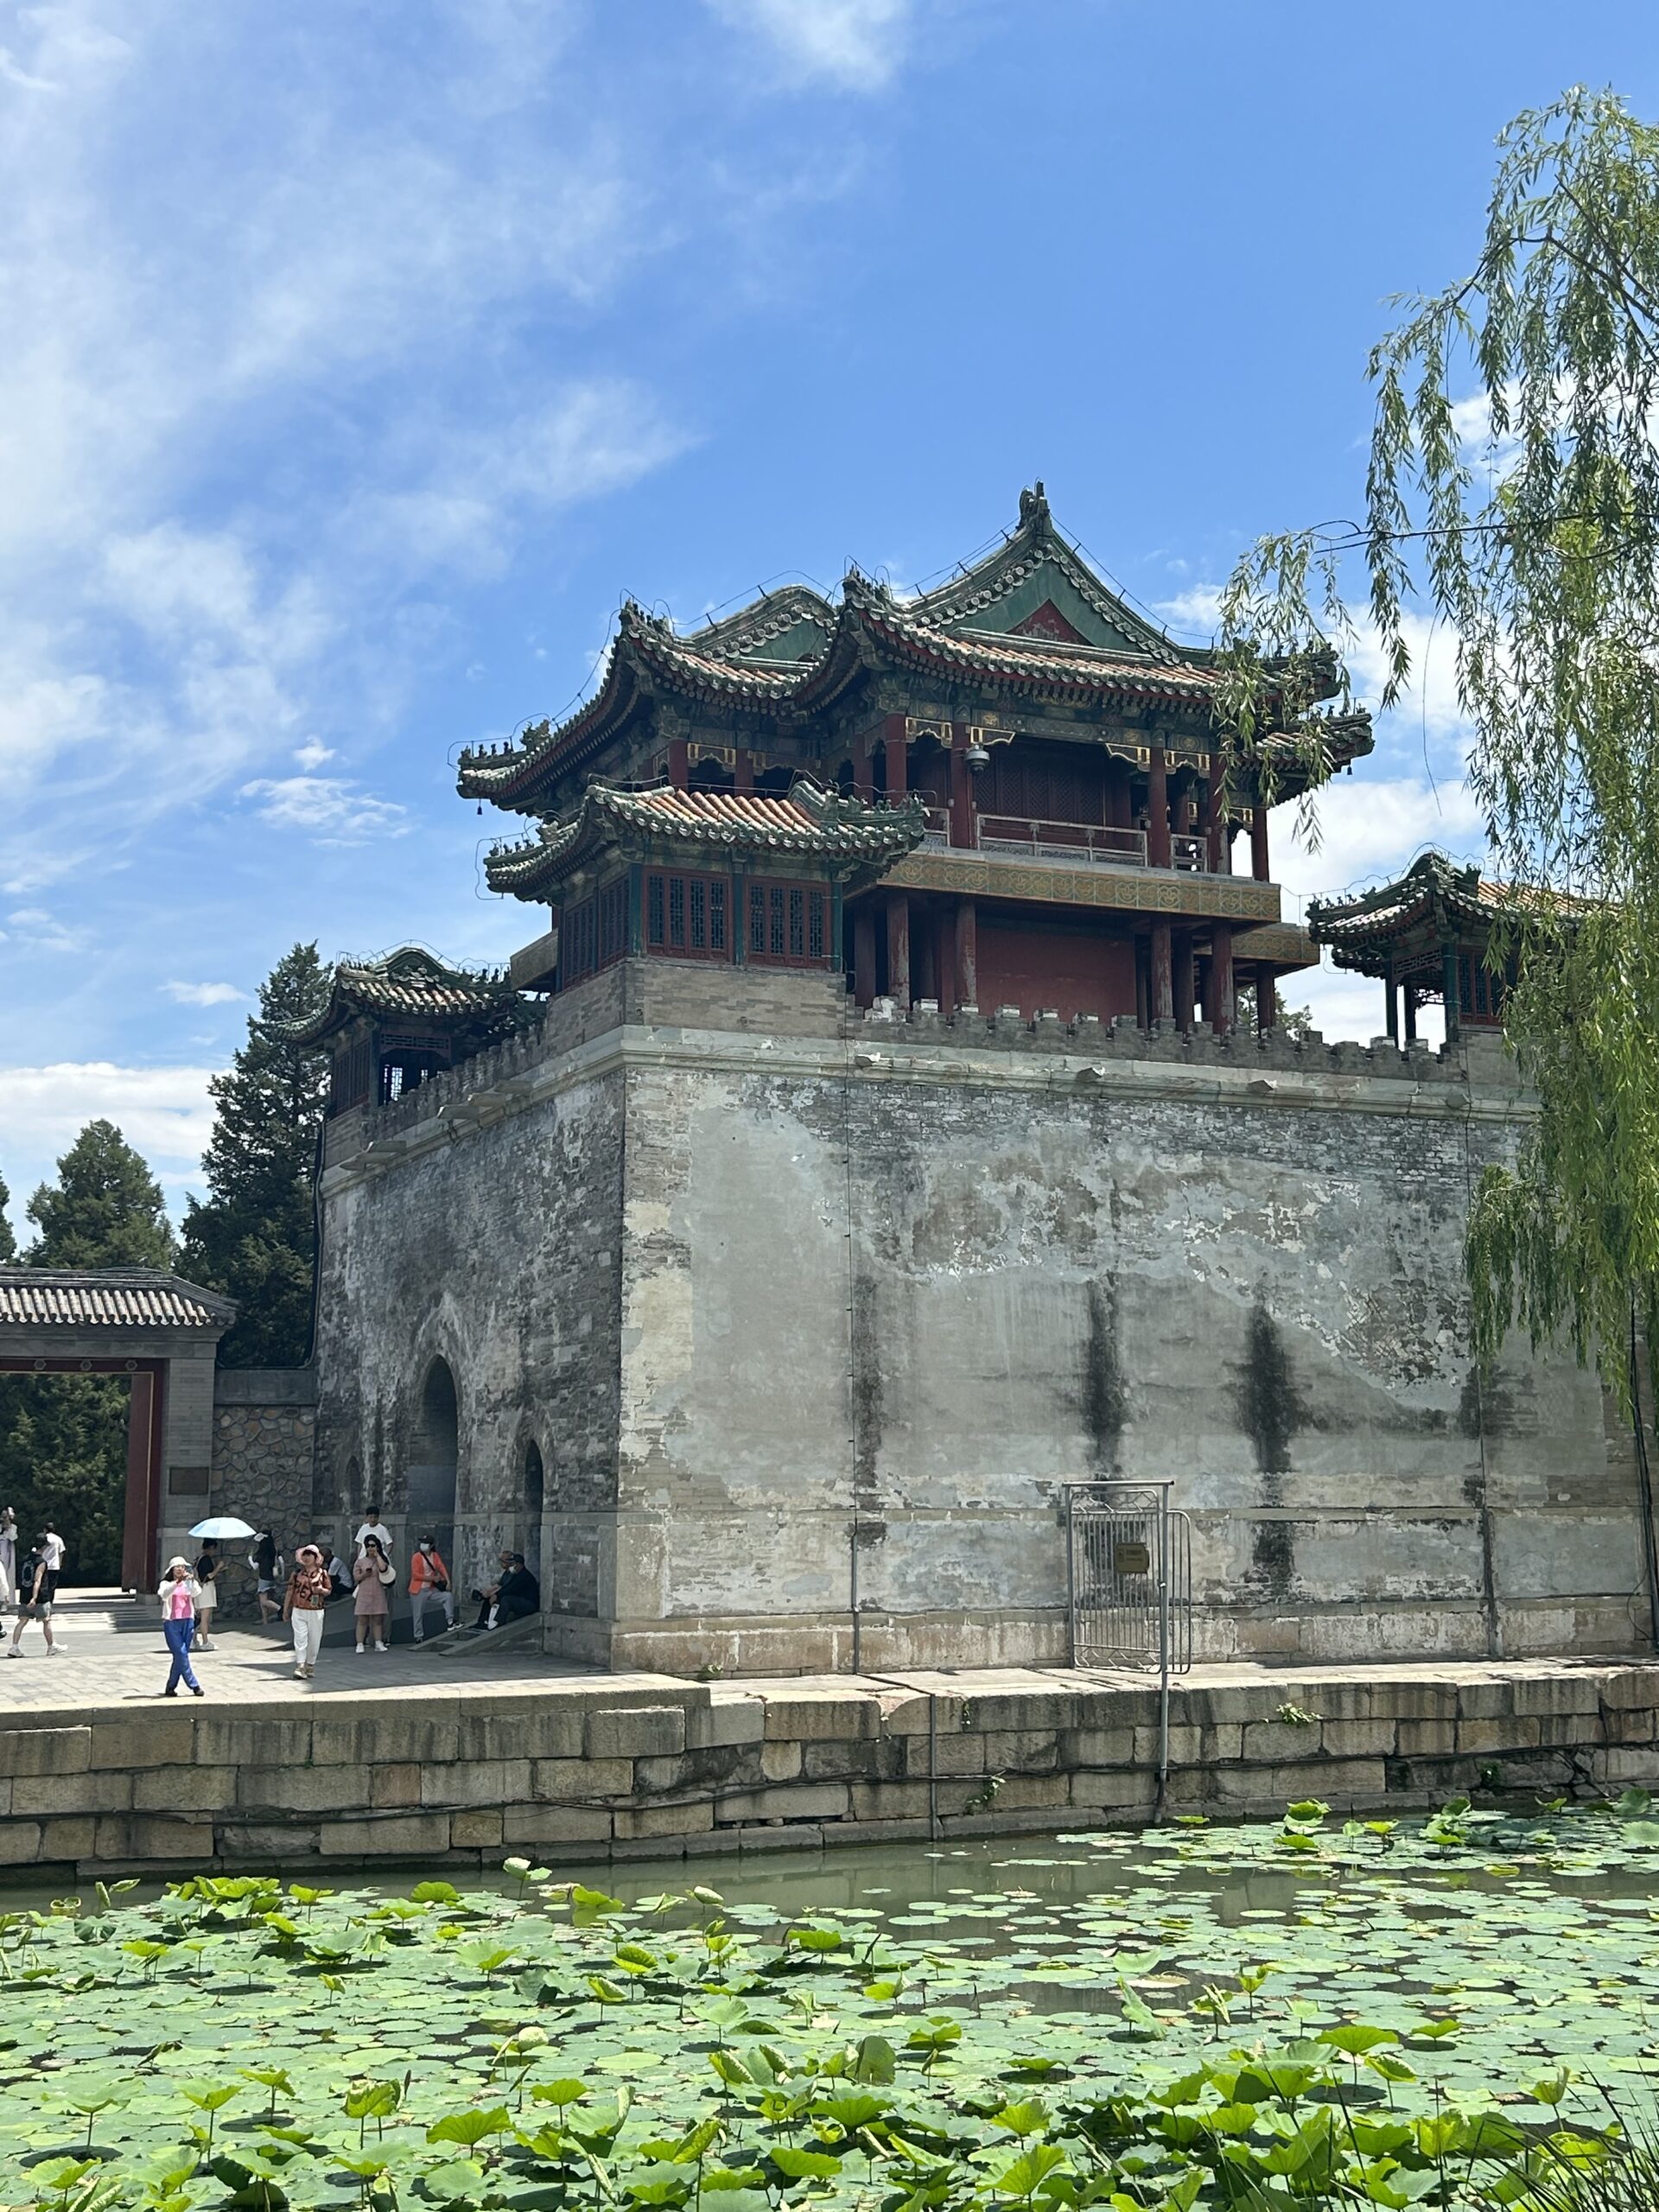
1037	806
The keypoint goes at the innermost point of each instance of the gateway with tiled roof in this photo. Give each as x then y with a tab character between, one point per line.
1072	796
75	1300
392	1022
1426	935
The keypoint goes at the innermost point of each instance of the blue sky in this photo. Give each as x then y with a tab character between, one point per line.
360	356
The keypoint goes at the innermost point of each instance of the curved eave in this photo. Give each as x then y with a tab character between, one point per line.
514	779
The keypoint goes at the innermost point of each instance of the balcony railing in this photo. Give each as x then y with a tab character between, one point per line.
1076	842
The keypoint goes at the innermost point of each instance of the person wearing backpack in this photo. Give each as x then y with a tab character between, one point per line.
37	1586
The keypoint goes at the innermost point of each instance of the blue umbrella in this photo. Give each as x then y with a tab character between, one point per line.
225	1525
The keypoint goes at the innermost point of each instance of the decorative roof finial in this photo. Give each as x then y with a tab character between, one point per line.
1033	505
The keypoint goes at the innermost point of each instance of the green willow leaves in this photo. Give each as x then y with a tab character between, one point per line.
1513	493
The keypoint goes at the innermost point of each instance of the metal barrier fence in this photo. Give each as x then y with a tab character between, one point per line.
1129	1557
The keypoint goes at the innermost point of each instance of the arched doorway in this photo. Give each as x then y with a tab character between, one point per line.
436	1456
535	1488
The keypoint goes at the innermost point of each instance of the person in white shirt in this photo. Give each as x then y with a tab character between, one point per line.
52	1549
373	1526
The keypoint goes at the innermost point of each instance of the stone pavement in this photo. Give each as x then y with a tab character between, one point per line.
106	1665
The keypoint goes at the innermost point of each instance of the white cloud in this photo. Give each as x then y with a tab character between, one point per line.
203	994
326	808
165	1113
312	752
1372	826
858	45
41	929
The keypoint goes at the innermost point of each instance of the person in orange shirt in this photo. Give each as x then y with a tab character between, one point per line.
429	1584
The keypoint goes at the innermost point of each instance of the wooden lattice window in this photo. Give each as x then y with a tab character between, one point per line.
593	933
687	917
788	924
1480	993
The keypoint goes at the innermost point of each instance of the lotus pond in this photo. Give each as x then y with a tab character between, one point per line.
1443	2012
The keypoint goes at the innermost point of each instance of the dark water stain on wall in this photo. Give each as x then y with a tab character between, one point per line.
867	1395
1270	1410
1104	1397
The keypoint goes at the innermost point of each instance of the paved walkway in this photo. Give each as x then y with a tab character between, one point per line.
104	1665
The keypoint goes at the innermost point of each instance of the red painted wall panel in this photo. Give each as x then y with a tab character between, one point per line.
1075	971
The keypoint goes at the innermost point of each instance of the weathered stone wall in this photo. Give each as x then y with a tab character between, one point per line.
580	1770
813	1316
264	1463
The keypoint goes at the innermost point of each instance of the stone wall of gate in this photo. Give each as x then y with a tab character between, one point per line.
813	1316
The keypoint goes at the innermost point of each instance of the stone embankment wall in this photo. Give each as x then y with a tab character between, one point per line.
653	1768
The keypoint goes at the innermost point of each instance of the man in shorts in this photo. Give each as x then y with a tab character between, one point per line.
37	1586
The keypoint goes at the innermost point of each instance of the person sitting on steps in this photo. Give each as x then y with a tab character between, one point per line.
514	1598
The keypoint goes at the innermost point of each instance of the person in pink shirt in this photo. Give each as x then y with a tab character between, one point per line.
178	1594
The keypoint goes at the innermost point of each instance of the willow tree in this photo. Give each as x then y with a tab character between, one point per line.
1513	496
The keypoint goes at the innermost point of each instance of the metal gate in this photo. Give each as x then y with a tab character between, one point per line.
1128	1577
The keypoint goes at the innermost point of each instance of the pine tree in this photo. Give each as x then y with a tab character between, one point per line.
8	1242
254	1236
105	1209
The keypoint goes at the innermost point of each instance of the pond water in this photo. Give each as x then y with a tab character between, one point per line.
1372	2008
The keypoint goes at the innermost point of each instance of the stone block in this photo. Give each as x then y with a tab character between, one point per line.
947	1753
396	1784
635	1821
250	1739
1001	1712
1098	1790
1558	1694
476	1830
45	1751
479	1781
1626	1763
917	1829
1505	1733
103	1792
65	1840
646	1848
635	1731
301	1788
551	1729
1021	1751
266	1843
1023	1793
1337	1781
872	1758
408	1836
808	1802
1485	1701
151	1835
577	1782
20	1842
802	1837
1358	1739
1634	1727
1425	1738
555	1824
888	1801
793	1717
1186	1745
1084	1747
1413	1701
783	1761
1631	1688
725	1721
1586	1729
1270	1742
417	1729
202	1789
146	1739
1222	1742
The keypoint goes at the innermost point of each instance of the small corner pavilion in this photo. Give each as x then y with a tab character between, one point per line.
1426	935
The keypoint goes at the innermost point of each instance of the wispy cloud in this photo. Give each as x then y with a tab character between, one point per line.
326	808
167	1113
203	994
858	45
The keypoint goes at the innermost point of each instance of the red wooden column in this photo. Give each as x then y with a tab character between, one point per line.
1259	844
892	733
678	771
1181	990
1266	1002
139	1566
899	948
941	925
1221	978
1162	976
1209	825
961	788
864	953
967	953
1157	816
863	783
743	769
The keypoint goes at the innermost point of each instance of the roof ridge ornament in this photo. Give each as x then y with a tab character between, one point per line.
1033	507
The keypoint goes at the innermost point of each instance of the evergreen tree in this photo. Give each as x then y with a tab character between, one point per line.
8	1242
105	1209
254	1238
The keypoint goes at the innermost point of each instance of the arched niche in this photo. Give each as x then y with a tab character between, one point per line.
435	1459
535	1488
